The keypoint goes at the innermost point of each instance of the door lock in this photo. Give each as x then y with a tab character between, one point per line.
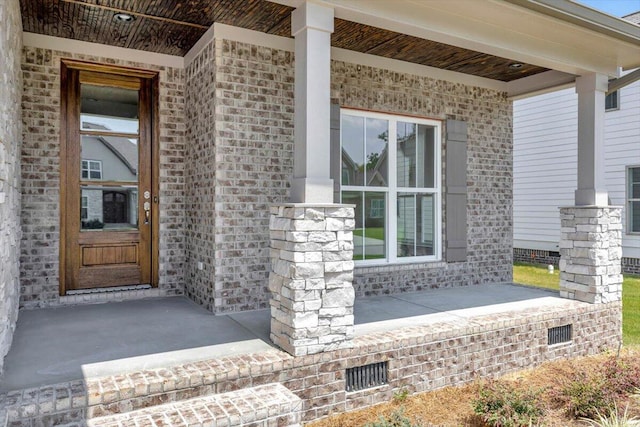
147	212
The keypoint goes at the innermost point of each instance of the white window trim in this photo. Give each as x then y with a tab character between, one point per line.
89	162
629	221
391	226
84	204
617	107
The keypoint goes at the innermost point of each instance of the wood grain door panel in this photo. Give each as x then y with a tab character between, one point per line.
108	186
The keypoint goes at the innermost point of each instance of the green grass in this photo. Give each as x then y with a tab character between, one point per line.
371	232
537	275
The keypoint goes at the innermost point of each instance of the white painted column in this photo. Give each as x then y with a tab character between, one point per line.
591	90
312	25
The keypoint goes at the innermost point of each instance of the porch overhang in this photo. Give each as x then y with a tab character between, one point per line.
567	38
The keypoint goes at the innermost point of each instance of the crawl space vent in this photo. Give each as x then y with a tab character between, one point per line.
367	376
559	334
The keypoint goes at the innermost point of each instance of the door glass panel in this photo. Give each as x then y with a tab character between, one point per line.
108	109
110	208
109	158
416	229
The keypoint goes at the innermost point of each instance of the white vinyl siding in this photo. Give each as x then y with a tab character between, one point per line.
545	162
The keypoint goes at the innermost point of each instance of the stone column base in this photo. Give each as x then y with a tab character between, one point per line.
591	253
311	277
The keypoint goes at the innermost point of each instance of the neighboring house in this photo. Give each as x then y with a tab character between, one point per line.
545	147
379	161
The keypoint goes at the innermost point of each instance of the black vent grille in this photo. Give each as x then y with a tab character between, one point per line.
366	376
560	334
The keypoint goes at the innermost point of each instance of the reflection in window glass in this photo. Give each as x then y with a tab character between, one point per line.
633	197
352	150
109	208
377	134
91	169
369	235
415	224
118	157
415	155
364	151
108	109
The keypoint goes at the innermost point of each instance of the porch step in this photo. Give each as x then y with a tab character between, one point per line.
261	406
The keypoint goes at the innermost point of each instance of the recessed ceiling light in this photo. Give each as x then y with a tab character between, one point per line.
123	17
515	65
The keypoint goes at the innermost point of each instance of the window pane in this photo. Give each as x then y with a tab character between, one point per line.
377	136
634	214
109	158
108	109
611	101
109	208
369	235
416	224
406	154
416	155
634	177
426	157
352	150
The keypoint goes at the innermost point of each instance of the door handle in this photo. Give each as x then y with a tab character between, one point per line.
147	212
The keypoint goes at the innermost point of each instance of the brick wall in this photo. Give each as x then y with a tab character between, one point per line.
489	172
420	358
10	131
253	162
247	159
41	176
200	174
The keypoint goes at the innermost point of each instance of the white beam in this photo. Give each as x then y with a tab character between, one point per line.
591	90
312	25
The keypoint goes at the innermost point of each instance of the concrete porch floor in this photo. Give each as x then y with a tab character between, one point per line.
67	343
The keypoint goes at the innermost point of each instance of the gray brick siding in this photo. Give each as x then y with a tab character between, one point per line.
489	174
231	157
39	258
10	132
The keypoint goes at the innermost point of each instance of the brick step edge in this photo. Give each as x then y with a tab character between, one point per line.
265	406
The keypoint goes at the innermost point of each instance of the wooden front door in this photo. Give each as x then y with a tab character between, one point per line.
108	191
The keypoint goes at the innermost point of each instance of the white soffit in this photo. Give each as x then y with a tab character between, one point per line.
500	28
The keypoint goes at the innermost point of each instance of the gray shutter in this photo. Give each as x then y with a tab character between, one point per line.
456	191
336	163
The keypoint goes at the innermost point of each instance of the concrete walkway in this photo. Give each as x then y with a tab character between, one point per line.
67	343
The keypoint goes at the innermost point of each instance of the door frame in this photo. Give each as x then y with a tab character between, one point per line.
65	87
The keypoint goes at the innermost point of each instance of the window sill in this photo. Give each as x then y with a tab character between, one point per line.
383	266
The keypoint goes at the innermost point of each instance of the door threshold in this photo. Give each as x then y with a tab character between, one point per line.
108	290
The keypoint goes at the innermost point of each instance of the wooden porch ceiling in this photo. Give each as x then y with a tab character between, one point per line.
173	27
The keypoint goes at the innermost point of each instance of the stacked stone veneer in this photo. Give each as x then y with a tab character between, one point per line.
10	135
39	260
310	282
420	358
590	250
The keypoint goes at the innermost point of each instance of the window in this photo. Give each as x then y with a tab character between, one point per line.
633	200
391	173
84	208
611	101
91	169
